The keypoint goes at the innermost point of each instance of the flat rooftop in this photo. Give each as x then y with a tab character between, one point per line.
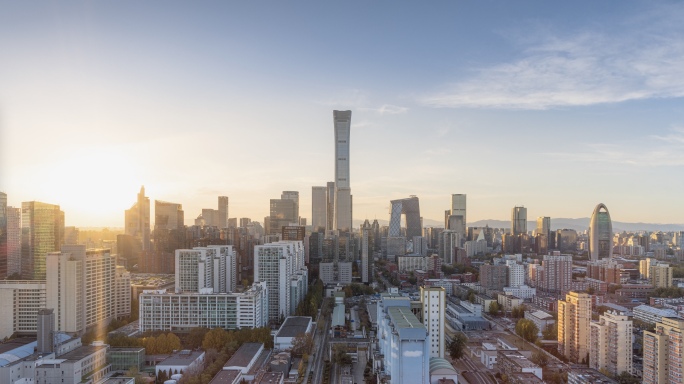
269	377
184	357
402	317
244	355
293	326
81	353
225	376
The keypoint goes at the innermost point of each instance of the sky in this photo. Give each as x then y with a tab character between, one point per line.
557	106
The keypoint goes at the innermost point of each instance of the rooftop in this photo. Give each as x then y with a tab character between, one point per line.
590	375
269	377
293	326
244	355
225	376
519	360
402	317
81	353
184	357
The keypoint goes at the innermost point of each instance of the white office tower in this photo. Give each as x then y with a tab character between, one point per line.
278	265
343	197
516	274
610	346
433	300
81	287
206	267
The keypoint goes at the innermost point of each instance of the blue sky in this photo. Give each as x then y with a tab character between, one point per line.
554	105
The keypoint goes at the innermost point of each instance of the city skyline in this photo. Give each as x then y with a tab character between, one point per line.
591	114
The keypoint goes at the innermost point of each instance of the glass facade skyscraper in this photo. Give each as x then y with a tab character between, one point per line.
42	231
600	233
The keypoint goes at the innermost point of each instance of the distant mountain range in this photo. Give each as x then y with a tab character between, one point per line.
579	225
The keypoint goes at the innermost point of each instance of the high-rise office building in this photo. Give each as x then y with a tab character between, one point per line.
566	240
664	352
283	213
544	225
42	232
343	197
600	233
456	217
366	251
281	266
611	343
168	216
169	235
3	235
433	300
13	241
319	207
410	208
518	221
447	246
137	220
294	196
330	203
223	212
574	316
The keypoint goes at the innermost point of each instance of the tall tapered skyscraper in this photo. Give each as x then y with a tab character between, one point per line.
343	197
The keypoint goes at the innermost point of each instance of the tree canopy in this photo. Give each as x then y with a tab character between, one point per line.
527	330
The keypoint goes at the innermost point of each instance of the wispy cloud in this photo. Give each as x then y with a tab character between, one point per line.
388	109
651	151
643	58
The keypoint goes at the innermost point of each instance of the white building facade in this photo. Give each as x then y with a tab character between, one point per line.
433	300
212	267
161	311
276	264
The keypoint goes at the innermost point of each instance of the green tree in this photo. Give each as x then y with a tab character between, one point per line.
302	343
551	332
134	372
494	308
195	337
527	330
457	346
216	338
540	358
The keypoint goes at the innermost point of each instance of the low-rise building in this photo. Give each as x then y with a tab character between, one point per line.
244	358
183	362
524	292
510	362
87	362
541	319
122	359
652	315
579	374
291	327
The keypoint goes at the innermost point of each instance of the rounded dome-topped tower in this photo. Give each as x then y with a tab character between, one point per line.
600	234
